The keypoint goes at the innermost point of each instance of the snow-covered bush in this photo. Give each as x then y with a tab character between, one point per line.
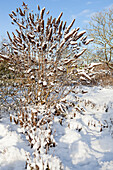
38	56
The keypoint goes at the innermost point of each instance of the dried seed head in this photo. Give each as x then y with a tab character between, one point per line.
44	46
32	17
14	19
24	37
42	23
25	11
67	36
11	15
88	41
80	34
20	25
38	28
24	4
37	18
69	27
58	19
55	28
21	13
50	34
17	10
4	44
47	31
42	13
60	27
10	118
64	25
77	29
14	47
47	12
80	53
14	13
62	43
74	35
30	14
9	36
15	52
19	33
52	47
38	7
13	34
37	44
49	20
53	22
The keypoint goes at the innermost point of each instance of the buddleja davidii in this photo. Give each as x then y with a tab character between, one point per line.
36	37
38	48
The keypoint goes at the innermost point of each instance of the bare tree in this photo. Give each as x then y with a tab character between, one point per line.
101	29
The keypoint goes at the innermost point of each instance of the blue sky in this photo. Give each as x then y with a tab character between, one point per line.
81	10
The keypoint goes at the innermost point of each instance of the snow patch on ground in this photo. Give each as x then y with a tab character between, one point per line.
13	147
83	142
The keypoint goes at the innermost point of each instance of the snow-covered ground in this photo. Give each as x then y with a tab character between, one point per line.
13	146
84	140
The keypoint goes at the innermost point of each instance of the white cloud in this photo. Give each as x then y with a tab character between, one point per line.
73	17
109	6
89	2
86	21
93	13
55	0
106	8
84	12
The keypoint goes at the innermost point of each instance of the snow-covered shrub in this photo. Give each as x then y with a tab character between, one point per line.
38	55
